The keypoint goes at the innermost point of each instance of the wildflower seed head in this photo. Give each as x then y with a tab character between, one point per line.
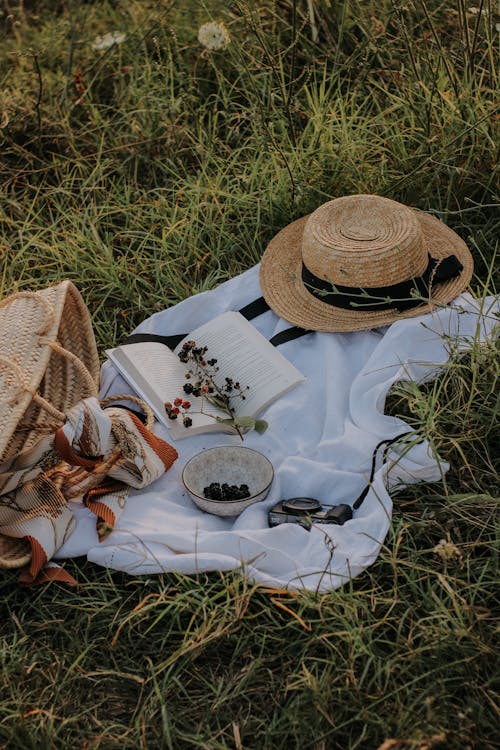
213	36
447	550
106	41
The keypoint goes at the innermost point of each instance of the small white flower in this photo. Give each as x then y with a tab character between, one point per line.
105	42
446	550
474	11
214	36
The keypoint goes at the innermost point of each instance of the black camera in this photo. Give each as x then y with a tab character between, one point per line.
307	510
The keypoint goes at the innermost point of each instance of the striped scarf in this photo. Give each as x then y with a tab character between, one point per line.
94	458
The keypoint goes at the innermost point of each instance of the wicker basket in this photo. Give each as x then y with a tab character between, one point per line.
14	553
48	362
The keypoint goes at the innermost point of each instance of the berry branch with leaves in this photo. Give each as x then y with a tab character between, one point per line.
203	381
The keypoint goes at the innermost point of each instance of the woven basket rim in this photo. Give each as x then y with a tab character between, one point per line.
14	552
15	400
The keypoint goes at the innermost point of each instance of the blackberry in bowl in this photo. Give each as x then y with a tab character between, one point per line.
227	479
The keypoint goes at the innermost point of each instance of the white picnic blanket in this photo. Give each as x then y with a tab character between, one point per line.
320	439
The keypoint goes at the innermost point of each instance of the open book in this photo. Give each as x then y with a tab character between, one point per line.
157	375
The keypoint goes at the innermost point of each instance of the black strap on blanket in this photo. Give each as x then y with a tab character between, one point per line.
250	311
170	341
387	443
255	308
288	335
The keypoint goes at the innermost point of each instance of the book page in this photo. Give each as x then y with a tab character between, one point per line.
246	356
157	375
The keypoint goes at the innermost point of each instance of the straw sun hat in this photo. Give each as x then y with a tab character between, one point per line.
362	261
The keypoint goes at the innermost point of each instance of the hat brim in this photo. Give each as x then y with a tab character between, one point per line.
285	293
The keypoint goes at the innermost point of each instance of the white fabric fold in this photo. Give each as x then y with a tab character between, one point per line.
320	439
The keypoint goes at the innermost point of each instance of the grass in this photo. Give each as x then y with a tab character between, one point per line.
154	170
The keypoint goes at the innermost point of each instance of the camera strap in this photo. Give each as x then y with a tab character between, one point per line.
387	444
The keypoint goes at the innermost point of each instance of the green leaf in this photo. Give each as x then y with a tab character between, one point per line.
246	422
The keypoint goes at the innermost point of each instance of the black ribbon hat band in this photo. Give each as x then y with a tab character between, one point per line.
401	296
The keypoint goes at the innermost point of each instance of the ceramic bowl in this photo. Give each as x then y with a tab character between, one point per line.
232	464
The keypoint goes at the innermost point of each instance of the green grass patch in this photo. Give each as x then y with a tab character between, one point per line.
154	169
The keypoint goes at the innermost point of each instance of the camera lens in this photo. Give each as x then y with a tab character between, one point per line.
301	506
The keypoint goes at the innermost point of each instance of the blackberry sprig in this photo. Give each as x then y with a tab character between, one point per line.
179	409
224	394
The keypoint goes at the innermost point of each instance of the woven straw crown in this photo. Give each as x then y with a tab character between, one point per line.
364	241
360	243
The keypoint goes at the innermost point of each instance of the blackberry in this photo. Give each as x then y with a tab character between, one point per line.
215	491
